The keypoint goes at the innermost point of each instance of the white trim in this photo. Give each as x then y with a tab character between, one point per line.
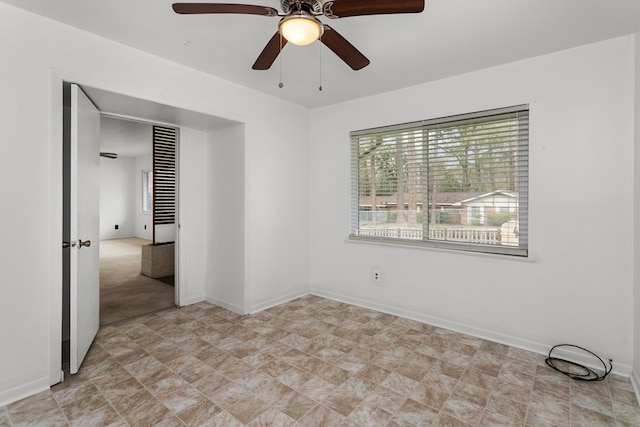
180	254
191	301
420	246
533	346
24	390
231	307
276	301
635	382
55	227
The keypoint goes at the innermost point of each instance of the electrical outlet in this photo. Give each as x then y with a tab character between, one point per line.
116	226
376	276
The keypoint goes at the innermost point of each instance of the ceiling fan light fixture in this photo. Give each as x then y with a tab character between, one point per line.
301	28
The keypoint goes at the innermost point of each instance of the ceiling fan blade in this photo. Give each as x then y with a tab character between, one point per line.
245	9
345	8
270	52
345	50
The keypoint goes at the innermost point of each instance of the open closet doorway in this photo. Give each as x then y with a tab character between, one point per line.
197	130
137	218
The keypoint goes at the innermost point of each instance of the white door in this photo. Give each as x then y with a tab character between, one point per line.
84	291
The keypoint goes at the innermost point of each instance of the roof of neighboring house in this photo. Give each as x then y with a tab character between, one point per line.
484	195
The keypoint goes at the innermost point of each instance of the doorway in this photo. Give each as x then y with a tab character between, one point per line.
89	302
198	128
128	222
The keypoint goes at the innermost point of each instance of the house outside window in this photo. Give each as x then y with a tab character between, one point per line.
458	182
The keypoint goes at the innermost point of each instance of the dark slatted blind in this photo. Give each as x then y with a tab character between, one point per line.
164	175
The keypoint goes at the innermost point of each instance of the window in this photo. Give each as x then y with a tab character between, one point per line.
457	182
147	191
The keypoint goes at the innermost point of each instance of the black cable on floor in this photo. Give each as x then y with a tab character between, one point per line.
582	372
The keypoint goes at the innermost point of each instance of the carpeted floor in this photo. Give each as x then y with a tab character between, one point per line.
124	292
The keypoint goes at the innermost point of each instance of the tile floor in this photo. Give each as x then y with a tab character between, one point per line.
314	362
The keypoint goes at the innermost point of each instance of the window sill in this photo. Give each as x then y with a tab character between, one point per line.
421	246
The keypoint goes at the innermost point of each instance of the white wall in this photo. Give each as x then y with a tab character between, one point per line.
37	54
277	209
192	210
117	198
143	221
226	217
579	287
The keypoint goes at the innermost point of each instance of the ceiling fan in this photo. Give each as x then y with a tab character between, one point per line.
299	23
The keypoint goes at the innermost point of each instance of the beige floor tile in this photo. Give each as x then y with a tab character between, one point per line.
416	413
478	379
492	419
342	402
594	402
626	413
271	418
67	395
190	368
502	405
320	415
229	395
80	408
295	405
314	362
37	408
374	373
545	408
248	409
223	419
512	391
623	396
446	420
619	382
102	416
179	399
581	416
439	381
463	410
367	414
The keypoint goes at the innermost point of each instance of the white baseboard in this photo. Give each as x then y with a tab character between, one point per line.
190	301
231	307
23	390
276	301
635	382
513	341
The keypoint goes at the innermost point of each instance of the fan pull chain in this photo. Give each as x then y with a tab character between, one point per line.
280	85
320	50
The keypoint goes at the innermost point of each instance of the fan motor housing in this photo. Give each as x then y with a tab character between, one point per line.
312	6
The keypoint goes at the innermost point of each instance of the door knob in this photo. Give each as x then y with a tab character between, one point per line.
86	243
65	245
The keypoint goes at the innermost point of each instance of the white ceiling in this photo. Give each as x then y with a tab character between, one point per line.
126	138
126	122
450	37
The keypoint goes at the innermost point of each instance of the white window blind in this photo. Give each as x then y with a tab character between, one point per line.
458	182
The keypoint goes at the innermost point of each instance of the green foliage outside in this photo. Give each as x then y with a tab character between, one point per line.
497	219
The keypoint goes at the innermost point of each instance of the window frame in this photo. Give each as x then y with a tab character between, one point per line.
147	191
521	150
